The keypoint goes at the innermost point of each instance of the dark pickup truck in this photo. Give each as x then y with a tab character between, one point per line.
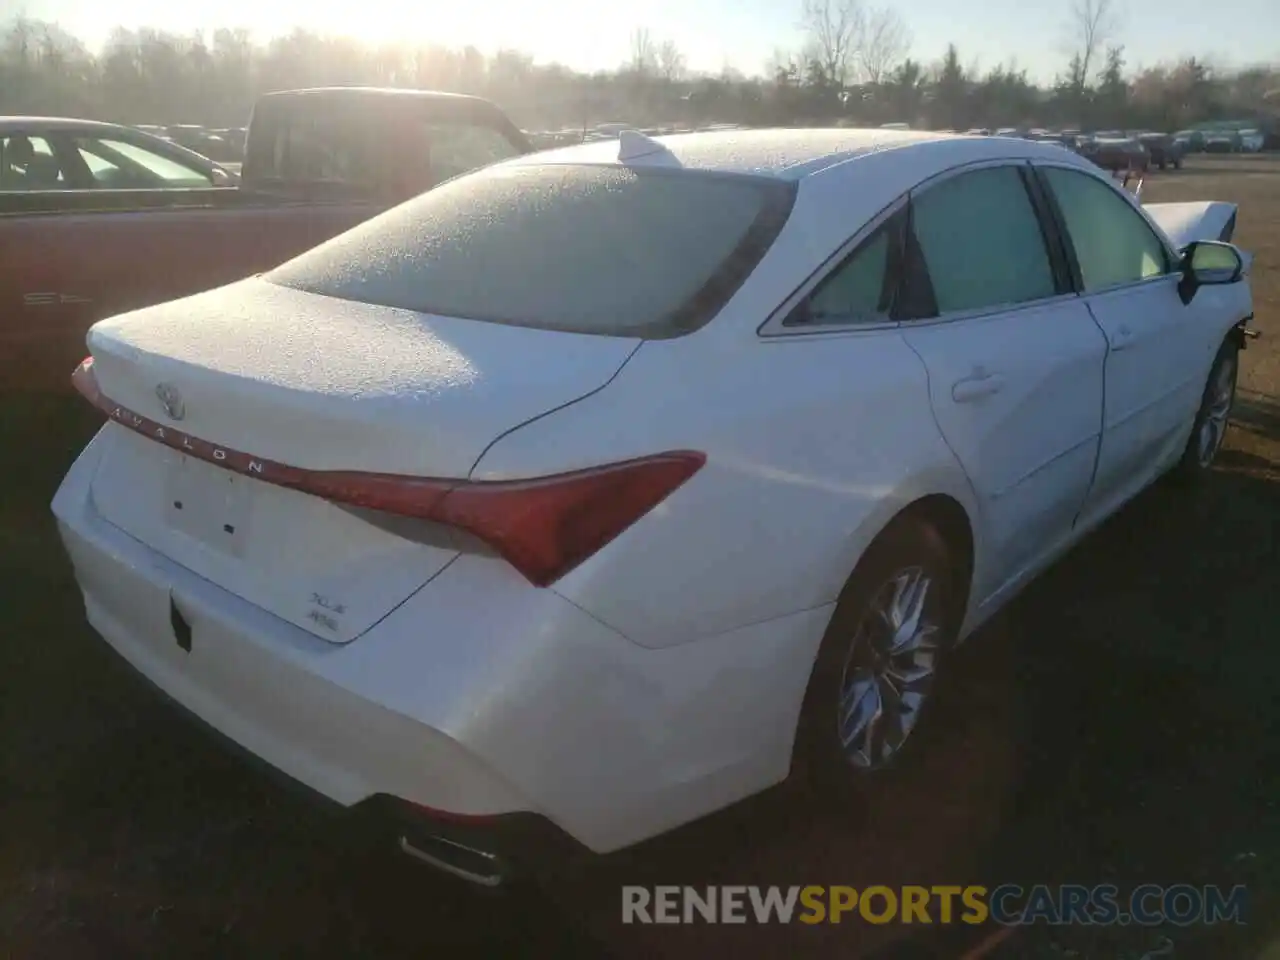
97	219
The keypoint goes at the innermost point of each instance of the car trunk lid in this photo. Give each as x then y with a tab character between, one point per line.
226	392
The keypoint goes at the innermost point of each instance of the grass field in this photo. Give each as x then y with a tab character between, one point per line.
1120	725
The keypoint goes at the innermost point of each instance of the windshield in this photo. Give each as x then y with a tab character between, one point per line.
591	249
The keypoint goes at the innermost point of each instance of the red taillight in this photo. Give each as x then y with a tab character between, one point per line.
546	527
543	527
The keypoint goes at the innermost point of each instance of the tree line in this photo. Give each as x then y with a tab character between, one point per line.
853	67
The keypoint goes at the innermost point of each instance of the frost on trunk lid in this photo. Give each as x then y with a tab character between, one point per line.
318	384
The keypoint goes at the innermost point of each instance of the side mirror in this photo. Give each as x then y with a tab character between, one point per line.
1208	263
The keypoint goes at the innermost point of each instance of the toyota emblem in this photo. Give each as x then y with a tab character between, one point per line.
171	400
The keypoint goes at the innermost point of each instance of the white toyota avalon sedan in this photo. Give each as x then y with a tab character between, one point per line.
593	491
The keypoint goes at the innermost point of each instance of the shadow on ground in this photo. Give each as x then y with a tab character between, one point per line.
1116	724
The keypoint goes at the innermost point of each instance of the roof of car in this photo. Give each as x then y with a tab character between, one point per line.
789	154
30	124
366	92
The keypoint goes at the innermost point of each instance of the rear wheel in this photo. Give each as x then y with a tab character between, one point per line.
867	706
1210	426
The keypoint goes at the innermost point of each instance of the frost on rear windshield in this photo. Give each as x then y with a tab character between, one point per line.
593	249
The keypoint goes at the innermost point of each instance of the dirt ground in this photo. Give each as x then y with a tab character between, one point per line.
1119	724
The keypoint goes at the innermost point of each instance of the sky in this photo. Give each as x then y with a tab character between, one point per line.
593	35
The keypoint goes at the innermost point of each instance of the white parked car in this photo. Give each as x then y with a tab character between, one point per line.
582	495
1252	141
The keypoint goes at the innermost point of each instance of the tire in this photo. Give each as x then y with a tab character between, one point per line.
1209	428
854	666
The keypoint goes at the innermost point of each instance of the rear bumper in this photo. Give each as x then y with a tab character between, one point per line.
490	851
485	850
479	702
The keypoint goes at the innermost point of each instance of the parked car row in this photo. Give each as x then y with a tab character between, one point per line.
1114	150
1163	150
220	144
1139	149
1226	140
590	133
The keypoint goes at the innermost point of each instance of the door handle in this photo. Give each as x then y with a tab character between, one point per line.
976	387
1123	338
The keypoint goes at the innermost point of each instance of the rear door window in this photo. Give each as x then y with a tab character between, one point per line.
592	249
121	165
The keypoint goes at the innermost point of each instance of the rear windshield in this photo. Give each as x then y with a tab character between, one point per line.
591	249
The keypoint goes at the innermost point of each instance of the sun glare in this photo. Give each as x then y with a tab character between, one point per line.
582	34
576	31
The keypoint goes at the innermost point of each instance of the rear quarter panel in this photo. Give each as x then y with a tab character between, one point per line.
813	444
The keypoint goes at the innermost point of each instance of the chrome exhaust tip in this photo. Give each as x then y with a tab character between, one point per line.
467	863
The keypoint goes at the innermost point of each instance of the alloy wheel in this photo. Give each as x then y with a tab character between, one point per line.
1217	410
889	672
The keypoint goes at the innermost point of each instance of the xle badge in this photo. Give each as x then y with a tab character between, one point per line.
318	614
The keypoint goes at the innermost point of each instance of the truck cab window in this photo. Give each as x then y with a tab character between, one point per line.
456	148
316	151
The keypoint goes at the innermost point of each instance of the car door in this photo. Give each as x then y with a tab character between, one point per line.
39	302
170	238
1159	349
1015	361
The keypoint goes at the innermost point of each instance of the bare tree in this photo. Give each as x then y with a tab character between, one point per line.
884	42
834	29
671	62
151	76
781	62
1091	24
644	54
